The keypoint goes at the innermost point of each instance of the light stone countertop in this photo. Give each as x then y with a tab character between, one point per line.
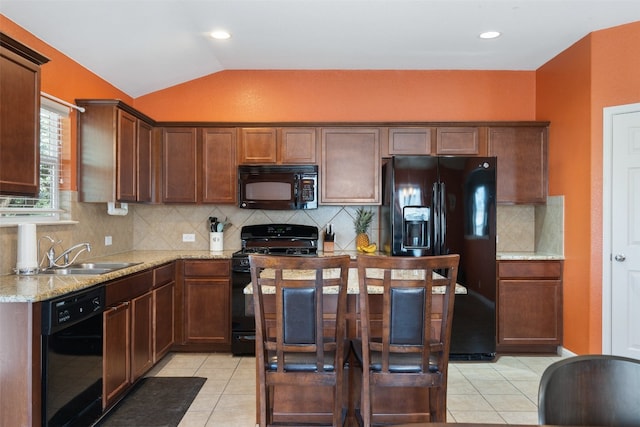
352	282
527	256
40	287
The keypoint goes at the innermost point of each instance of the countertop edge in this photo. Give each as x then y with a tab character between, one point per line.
527	256
41	287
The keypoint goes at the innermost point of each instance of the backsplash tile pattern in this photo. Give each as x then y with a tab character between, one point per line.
162	226
515	228
550	226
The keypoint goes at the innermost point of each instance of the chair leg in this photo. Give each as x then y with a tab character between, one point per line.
365	404
438	404
264	404
337	404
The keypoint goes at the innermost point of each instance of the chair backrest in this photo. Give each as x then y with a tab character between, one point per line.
296	322
591	390
412	335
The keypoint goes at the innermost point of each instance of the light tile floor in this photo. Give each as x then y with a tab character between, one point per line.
503	392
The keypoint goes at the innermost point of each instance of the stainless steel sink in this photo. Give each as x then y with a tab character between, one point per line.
90	268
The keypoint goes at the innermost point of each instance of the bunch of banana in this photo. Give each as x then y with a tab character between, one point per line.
370	248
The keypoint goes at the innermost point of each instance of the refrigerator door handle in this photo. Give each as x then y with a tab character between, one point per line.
443	218
436	218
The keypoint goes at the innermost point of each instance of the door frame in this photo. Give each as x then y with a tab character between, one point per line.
607	169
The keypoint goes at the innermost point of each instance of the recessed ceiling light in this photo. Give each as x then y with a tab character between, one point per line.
220	35
489	34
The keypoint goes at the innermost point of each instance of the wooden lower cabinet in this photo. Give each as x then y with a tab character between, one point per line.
163	319
128	333
116	360
128	345
207	303
529	307
141	335
164	309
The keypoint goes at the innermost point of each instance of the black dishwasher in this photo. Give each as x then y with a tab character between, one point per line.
72	358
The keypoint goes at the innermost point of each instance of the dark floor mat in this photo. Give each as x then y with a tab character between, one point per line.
155	402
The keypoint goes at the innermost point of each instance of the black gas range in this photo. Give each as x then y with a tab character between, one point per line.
270	239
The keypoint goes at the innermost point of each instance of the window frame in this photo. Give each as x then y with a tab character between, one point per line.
51	156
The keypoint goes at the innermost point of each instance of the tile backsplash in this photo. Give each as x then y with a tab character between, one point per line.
521	228
162	226
528	228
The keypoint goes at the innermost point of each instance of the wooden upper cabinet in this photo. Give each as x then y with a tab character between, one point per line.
179	165
219	176
126	152
409	141
277	145
115	153
258	145
522	163
20	118
145	164
350	166
458	141
297	145
199	165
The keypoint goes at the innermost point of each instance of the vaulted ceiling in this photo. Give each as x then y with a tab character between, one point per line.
141	46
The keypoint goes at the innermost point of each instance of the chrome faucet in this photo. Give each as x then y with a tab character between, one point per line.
53	260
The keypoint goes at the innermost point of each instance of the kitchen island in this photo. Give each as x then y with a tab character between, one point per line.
307	404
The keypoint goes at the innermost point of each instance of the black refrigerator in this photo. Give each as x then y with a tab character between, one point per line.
437	205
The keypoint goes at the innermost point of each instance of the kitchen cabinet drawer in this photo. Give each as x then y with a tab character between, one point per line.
207	269
164	274
530	269
129	287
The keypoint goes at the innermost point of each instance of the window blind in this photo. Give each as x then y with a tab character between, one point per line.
54	122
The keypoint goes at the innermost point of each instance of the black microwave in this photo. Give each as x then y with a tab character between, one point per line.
278	187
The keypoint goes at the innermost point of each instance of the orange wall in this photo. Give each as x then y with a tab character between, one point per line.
563	97
64	78
615	81
339	95
572	89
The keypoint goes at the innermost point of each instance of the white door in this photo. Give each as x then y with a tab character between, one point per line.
625	234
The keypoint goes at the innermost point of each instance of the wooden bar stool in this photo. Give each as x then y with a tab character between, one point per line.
296	344
408	344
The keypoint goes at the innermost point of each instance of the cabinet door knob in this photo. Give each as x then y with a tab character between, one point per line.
620	257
